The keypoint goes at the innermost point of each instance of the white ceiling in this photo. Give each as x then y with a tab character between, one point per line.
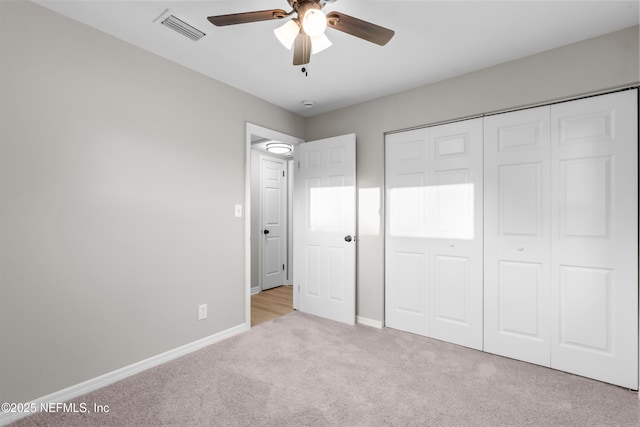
434	40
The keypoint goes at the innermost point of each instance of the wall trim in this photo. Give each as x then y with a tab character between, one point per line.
125	372
369	322
255	290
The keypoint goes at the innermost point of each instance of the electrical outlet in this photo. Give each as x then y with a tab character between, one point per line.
202	311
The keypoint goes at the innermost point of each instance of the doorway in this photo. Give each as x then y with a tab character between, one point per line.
265	252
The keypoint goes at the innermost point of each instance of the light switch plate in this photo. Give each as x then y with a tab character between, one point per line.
202	311
238	211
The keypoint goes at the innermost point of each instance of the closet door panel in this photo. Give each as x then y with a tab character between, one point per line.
516	237
455	238
594	240
520	200
585	197
520	299
406	248
451	285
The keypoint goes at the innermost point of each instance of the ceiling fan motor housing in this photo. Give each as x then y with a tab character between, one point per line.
302	6
321	2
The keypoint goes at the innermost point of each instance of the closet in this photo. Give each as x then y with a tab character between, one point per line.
517	234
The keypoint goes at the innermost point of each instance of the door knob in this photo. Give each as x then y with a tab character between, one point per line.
348	238
266	231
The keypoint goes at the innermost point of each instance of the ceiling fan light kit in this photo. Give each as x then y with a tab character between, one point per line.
319	43
305	32
287	33
314	22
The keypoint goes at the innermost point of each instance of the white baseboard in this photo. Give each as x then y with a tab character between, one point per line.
255	290
119	374
369	322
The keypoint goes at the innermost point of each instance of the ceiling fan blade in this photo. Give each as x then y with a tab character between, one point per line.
246	17
302	49
359	28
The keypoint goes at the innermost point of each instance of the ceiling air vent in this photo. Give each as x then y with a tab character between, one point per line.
183	28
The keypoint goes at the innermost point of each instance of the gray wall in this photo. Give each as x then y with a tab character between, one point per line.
592	65
118	175
119	172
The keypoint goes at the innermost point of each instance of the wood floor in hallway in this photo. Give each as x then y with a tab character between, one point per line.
272	303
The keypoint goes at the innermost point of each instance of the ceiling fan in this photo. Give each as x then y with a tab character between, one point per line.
305	32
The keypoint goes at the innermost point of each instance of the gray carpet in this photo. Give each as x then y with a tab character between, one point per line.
300	370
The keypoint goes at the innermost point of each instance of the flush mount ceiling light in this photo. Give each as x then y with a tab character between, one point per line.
305	32
278	148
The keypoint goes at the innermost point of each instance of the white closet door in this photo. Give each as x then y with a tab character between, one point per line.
516	235
434	232
594	240
406	225
454	219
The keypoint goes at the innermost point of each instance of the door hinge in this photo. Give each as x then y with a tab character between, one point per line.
298	164
283	174
283	266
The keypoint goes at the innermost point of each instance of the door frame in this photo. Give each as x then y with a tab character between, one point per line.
253	132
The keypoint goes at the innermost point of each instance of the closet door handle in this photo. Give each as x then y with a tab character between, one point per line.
266	231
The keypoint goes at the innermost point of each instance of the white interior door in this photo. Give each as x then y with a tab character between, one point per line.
273	222
324	227
594	152
517	235
434	232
